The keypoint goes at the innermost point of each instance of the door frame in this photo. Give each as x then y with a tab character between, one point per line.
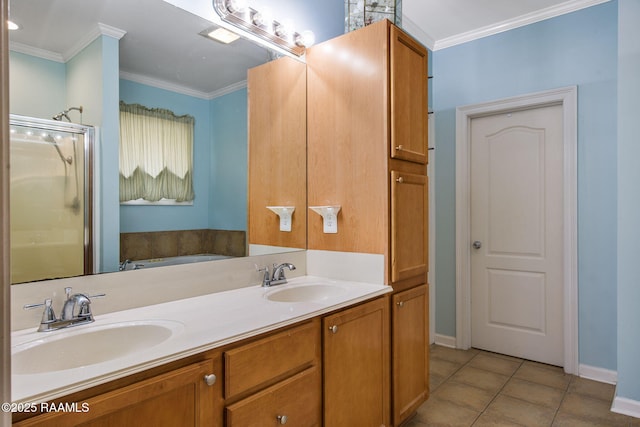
566	97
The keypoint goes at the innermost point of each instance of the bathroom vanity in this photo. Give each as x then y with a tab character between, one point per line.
263	371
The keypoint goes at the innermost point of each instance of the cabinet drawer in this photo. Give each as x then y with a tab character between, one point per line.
295	401
269	359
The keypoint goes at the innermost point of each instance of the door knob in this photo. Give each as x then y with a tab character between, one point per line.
477	244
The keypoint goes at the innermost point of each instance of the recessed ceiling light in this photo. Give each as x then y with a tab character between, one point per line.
12	25
222	35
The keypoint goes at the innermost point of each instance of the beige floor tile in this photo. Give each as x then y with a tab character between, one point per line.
568	420
451	354
444	368
595	389
465	395
413	422
494	363
480	378
519	411
489	420
595	410
437	412
481	388
543	374
538	394
435	381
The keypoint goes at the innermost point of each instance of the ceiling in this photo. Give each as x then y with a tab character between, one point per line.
161	44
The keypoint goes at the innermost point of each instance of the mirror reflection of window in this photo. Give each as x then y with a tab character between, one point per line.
156	156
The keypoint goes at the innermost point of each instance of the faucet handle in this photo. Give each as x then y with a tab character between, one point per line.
48	315
97	295
68	289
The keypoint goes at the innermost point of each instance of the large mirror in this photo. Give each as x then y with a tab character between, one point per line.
94	54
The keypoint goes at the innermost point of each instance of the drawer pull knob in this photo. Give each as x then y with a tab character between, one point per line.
333	328
400	148
400	303
210	379
282	419
400	179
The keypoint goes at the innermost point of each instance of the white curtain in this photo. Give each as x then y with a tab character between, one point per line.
156	154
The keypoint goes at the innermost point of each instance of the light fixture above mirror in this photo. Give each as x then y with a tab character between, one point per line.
260	24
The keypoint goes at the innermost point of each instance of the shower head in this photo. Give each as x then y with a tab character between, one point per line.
59	116
65	113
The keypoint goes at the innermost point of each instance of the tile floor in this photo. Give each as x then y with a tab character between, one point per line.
478	388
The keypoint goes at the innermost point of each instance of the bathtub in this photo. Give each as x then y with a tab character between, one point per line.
162	262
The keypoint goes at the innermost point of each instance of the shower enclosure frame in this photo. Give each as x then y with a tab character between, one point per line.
88	133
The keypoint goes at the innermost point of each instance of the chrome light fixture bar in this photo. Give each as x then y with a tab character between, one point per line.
236	13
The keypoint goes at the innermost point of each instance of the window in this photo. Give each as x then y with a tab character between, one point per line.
156	155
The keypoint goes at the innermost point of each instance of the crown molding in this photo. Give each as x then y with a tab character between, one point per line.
37	52
226	90
172	87
162	84
412	28
519	21
99	30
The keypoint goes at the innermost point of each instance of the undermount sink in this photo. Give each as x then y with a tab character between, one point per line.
304	293
58	351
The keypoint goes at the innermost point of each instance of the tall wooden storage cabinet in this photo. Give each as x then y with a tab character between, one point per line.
367	153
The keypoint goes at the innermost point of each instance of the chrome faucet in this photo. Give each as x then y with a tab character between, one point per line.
75	311
277	277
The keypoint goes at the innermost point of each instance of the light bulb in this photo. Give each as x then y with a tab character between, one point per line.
234	6
306	39
258	19
281	31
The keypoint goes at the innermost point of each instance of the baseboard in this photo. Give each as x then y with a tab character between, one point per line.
445	341
622	405
598	374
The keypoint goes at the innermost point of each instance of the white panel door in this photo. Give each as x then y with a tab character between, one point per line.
517	232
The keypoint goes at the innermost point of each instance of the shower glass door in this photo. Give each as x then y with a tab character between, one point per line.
50	193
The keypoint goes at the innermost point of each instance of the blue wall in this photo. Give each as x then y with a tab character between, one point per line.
38	86
628	200
575	49
229	172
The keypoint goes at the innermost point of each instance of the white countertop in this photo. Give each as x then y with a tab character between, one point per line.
199	324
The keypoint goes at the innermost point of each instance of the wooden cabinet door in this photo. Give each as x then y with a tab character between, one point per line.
177	398
277	151
410	351
408	97
356	366
409	226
